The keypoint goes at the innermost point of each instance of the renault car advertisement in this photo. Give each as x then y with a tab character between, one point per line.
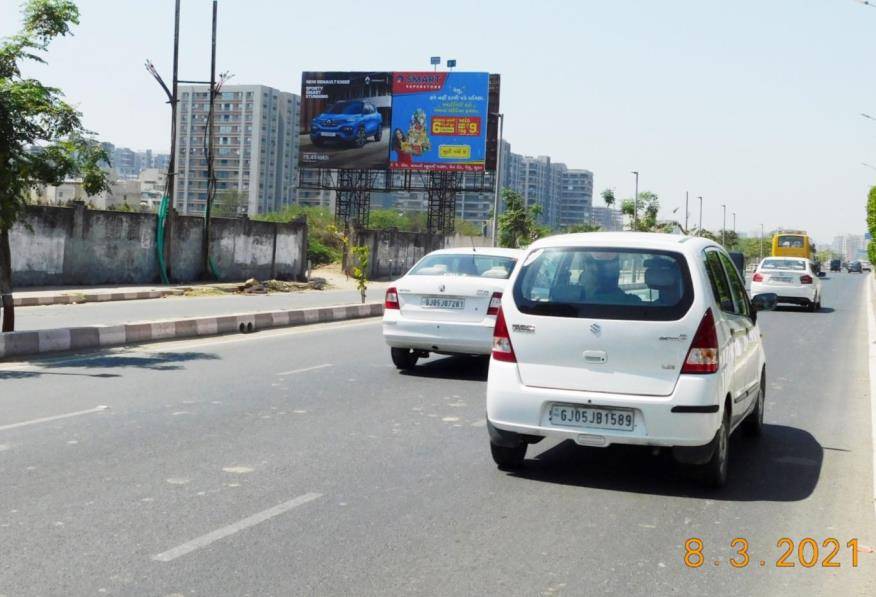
400	120
345	120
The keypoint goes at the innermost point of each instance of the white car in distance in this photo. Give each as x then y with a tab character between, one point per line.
792	279
627	338
446	304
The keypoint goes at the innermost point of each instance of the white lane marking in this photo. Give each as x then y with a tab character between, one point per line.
54	418
250	521
314	368
871	338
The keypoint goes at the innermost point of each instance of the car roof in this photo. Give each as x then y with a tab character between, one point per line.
643	240
495	251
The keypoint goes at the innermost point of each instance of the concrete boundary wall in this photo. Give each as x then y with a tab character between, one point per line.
393	252
76	246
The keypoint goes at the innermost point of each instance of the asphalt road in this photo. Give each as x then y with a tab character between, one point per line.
176	307
299	462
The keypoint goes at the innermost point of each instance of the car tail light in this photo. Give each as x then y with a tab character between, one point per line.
502	349
495	303
703	354
807	279
757	277
391	300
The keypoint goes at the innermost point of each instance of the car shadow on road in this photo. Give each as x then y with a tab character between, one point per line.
455	367
159	361
795	309
783	465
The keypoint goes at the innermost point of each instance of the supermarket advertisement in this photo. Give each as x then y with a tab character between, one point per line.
438	121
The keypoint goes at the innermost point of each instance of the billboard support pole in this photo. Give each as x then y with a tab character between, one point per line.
498	178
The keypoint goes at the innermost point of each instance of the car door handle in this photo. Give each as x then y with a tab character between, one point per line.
740	332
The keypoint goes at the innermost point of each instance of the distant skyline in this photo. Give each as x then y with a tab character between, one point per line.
753	104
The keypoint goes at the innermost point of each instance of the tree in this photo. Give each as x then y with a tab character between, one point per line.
871	211
229	204
518	225
608	197
649	206
583	227
32	114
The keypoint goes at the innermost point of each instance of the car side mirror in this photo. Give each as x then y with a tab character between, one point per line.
764	302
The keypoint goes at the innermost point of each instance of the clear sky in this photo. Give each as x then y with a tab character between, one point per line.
751	103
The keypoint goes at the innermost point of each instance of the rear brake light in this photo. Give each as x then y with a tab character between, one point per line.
502	349
391	300
806	279
703	354
757	277
495	303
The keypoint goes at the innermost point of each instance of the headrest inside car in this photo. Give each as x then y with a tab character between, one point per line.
661	277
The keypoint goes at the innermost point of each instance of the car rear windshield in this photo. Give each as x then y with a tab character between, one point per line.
604	283
795	264
792	241
450	264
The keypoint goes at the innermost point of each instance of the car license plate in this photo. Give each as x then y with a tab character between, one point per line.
440	302
782	279
327	134
616	419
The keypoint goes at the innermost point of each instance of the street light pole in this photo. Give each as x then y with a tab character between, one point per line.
636	204
700	229
498	177
686	212
724	226
734	223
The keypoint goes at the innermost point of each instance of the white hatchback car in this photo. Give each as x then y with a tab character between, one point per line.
794	280
447	304
627	338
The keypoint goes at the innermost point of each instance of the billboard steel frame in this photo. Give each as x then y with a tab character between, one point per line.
353	190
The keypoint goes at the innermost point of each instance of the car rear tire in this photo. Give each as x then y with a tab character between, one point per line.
752	426
403	358
812	306
714	472
508	459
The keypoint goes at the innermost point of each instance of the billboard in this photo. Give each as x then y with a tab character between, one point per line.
439	121
345	120
400	120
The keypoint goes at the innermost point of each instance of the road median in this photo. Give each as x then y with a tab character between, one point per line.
36	342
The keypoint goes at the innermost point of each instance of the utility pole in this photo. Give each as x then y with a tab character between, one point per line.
734	224
211	184
498	177
686	212
700	229
636	204
724	226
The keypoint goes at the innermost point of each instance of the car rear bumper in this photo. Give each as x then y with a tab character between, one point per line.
438	336
511	406
787	293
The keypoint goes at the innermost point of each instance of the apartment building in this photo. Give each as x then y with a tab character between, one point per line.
255	147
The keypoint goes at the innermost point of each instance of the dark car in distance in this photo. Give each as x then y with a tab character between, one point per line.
347	121
855	266
836	265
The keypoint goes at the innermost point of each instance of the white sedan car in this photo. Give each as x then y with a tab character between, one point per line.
627	338
793	279
446	304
